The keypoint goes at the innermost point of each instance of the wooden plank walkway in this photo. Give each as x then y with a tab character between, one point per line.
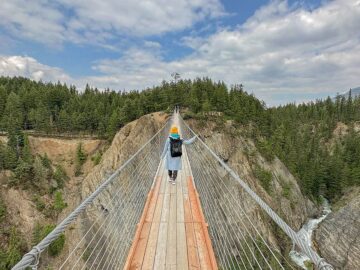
172	233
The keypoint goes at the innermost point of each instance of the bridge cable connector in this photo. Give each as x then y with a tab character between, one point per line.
36	254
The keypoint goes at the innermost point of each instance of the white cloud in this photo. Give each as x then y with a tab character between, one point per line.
97	22
280	53
35	20
143	17
29	67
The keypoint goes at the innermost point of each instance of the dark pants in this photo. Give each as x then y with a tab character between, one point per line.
172	174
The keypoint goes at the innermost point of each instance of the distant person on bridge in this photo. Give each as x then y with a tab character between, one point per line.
173	152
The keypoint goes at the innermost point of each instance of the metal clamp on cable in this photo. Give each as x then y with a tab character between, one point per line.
323	265
36	254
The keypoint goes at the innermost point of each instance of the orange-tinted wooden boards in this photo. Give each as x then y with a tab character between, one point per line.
172	232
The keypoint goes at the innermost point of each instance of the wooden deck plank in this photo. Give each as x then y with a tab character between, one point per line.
160	255
163	182
141	247
171	239
179	202
165	208
196	215
173	188
187	209
158	209
172	232
150	252
185	174
181	247
193	258
153	201
154	234
204	258
205	250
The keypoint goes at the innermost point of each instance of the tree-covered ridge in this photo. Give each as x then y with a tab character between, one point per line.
303	137
48	107
300	135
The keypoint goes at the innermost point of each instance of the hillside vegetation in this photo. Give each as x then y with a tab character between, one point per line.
302	136
319	142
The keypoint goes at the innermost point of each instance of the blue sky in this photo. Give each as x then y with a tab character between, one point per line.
282	51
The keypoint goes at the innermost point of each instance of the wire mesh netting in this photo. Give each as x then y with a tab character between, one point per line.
106	222
239	240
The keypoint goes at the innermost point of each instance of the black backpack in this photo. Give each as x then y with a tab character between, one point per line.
175	147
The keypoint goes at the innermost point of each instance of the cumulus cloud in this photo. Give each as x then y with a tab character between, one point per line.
37	20
29	67
278	51
281	54
94	21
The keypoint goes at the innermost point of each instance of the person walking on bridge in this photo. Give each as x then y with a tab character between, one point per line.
173	152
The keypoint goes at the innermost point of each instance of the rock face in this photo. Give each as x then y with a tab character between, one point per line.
338	236
63	151
283	196
21	209
125	143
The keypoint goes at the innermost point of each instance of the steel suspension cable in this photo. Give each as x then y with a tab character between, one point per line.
115	197
32	257
320	263
203	188
221	184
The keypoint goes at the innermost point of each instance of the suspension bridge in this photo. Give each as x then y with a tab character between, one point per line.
136	219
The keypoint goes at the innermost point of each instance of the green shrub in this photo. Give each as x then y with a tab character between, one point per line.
22	174
96	158
286	188
2	210
39	203
59	203
309	265
80	159
57	246
41	231
286	192
188	115
12	253
46	162
41	173
265	178
60	176
265	149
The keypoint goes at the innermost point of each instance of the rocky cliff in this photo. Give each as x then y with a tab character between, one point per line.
125	143
338	236
282	194
21	209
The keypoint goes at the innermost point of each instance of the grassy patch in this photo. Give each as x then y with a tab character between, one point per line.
96	158
41	231
264	176
59	203
265	149
286	188
10	254
2	210
309	265
39	203
80	159
60	176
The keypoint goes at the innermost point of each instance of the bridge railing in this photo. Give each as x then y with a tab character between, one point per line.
102	227
233	210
